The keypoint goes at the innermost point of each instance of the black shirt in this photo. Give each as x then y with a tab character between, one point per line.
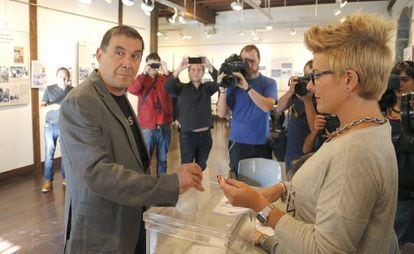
194	104
126	109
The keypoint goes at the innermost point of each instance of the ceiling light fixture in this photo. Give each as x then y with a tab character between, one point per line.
292	31
343	3
241	33
128	2
85	1
181	18
185	36
109	1
163	34
146	7
268	27
173	18
337	11
237	5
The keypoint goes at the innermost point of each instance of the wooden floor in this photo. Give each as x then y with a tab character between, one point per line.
32	221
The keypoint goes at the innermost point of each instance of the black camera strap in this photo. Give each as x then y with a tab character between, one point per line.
147	91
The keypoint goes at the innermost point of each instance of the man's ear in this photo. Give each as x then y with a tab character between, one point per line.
352	80
99	55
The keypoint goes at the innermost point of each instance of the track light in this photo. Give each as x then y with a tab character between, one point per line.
241	33
292	31
343	3
85	1
237	5
128	2
337	11
108	1
163	34
181	18
146	7
269	27
173	18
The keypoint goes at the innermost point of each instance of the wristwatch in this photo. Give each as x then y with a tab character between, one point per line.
264	213
248	89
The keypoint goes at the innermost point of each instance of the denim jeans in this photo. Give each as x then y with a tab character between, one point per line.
195	146
239	151
404	221
158	138
51	136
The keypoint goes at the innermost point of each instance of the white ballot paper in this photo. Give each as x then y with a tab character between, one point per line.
224	207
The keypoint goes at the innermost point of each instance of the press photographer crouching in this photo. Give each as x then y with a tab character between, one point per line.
399	111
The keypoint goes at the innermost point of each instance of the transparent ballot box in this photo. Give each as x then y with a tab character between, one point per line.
173	230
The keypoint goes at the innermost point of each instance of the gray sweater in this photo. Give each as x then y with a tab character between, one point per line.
343	199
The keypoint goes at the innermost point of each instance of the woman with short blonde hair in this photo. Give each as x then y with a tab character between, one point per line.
343	199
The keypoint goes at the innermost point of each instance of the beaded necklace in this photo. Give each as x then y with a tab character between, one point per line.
347	127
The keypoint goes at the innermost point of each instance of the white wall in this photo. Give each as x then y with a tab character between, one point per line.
16	142
60	26
277	43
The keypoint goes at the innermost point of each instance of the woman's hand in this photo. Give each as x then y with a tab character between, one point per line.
242	195
272	193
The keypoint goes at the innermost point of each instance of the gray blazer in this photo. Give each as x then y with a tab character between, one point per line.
107	184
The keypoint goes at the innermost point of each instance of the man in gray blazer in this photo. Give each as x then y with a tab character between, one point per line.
105	157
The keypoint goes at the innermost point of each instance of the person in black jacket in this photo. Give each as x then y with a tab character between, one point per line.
404	148
194	103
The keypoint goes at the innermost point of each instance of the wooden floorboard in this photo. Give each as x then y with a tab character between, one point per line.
32	221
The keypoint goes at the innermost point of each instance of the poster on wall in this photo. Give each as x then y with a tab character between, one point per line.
14	71
87	61
281	69
39	77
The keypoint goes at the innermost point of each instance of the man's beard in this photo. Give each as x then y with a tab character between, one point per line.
251	73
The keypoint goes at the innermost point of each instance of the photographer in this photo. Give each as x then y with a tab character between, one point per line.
301	114
154	109
194	104
404	148
323	125
250	102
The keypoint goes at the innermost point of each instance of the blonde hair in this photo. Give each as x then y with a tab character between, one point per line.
359	43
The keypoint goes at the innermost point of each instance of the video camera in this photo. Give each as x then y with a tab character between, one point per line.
233	63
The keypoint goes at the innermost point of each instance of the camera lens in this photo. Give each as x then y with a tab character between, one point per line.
300	89
154	65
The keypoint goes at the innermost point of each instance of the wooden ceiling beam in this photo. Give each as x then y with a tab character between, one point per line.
203	14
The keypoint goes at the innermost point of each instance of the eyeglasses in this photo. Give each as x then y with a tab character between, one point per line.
314	75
